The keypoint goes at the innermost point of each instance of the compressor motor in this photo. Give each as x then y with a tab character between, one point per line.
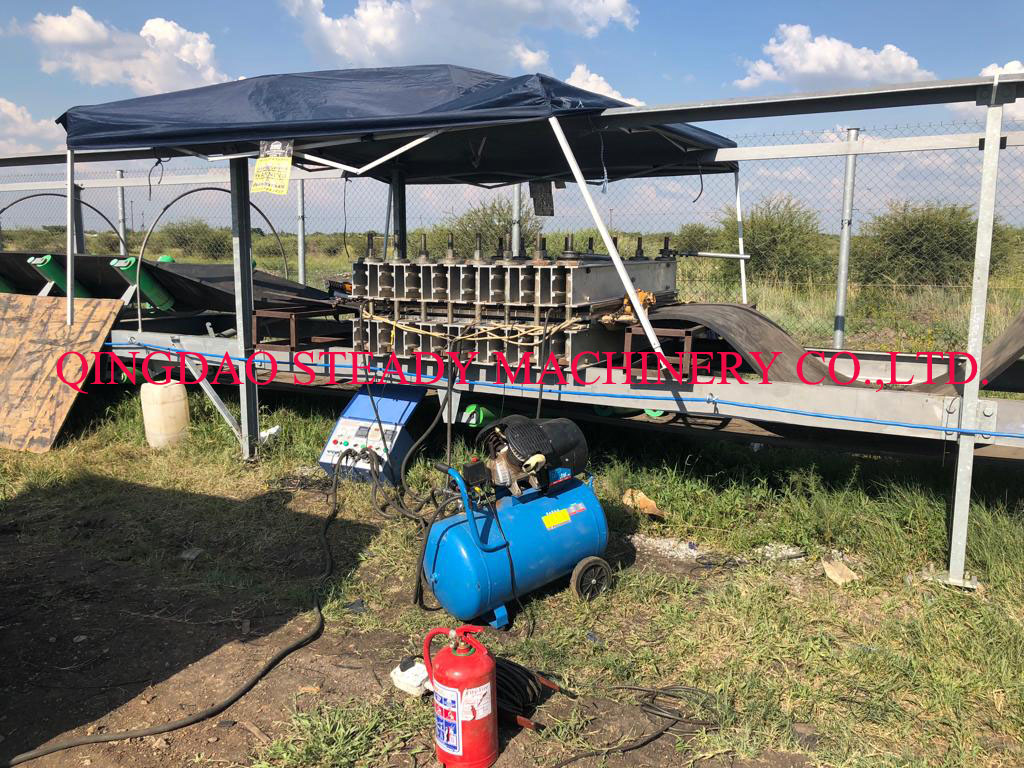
527	519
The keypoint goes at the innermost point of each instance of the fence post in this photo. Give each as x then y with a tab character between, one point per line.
517	203
122	247
842	277
739	237
398	212
975	338
301	229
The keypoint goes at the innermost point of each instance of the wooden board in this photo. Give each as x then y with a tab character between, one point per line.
33	402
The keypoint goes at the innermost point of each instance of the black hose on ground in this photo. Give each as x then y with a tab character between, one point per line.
675	705
235	695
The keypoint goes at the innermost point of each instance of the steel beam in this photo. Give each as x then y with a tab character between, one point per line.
877	97
241	242
853	409
970	140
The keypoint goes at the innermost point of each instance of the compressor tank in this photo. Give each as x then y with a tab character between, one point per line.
547	532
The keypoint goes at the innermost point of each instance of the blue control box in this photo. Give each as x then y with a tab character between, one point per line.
375	419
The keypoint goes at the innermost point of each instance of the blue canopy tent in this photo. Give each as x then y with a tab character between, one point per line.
422	124
493	129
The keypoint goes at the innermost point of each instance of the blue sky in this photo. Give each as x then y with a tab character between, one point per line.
56	54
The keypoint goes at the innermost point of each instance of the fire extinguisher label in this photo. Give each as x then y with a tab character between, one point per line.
476	702
447	728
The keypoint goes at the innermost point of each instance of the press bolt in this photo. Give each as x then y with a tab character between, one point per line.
988	410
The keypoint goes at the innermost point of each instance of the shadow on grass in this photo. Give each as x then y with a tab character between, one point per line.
108	586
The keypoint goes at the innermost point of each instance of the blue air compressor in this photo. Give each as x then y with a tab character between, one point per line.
527	519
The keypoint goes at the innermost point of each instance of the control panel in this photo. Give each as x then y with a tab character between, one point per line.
375	420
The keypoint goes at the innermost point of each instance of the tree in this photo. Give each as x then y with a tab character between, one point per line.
195	237
928	244
782	237
492	220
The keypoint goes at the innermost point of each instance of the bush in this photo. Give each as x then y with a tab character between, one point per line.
196	238
928	244
267	253
700	237
45	240
783	240
105	243
492	220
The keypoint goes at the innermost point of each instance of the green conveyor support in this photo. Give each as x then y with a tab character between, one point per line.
52	270
151	289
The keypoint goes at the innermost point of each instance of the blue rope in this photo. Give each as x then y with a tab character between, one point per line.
710	400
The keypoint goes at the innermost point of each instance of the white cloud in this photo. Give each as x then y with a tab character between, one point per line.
530	60
583	78
794	56
485	35
20	132
163	56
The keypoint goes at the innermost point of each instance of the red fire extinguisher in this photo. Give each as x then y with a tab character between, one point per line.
465	699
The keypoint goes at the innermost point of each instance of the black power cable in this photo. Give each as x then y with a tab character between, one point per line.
235	695
675	705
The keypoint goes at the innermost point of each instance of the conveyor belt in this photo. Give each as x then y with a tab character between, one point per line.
193	286
211	286
748	331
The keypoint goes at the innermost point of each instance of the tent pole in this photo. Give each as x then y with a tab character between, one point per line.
620	267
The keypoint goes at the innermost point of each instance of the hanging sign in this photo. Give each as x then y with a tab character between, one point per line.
273	168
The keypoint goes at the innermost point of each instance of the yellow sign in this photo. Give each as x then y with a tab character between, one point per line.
556	518
273	168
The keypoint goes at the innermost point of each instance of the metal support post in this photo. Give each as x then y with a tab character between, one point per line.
79	226
517	213
613	251
241	242
398	207
70	232
120	217
739	238
975	339
301	228
845	227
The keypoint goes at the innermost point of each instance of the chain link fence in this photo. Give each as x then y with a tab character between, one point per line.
911	255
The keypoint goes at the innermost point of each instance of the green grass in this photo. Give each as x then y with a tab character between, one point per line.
363	733
886	672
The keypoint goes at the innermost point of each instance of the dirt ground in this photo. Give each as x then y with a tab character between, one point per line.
92	641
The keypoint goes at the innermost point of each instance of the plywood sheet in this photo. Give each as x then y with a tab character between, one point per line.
33	402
